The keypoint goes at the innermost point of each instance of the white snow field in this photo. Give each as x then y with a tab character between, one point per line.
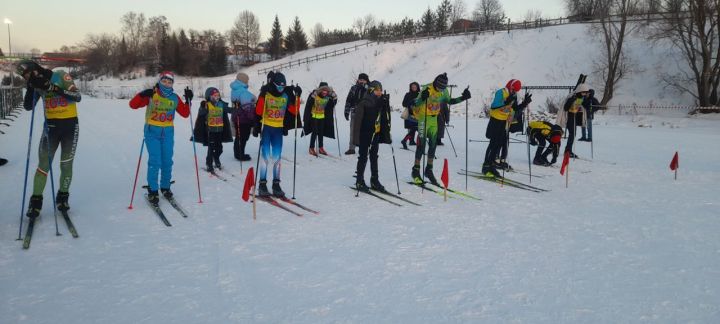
625	243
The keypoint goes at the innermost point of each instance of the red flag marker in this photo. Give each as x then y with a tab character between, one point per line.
565	162
675	164
445	177
249	184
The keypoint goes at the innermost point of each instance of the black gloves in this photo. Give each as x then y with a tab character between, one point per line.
148	93
256	131
385	100
510	99
528	99
466	94
425	94
298	91
188	95
347	115
39	82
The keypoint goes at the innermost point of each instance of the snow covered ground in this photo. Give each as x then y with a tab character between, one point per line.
623	244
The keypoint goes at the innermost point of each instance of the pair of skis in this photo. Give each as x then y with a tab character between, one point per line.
438	189
31	226
158	211
276	201
503	181
385	196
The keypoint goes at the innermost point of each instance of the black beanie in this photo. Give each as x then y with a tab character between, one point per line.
322	84
364	76
441	81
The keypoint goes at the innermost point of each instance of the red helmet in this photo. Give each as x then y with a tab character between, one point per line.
514	85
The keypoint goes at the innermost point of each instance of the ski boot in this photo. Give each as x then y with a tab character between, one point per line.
166	193
35	206
153	197
573	155
350	152
439	142
276	190
246	157
503	165
416	174
375	184
312	151
361	186
209	167
218	165
412	142
322	151
404	143
61	201
262	190
490	172
429	175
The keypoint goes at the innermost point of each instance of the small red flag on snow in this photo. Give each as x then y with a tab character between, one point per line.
445	177
566	161
675	163
249	184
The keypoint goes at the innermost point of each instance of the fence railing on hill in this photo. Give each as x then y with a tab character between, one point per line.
314	58
10	103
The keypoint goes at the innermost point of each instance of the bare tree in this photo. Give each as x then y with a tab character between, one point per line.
133	28
156	35
614	64
489	13
533	15
246	32
583	9
363	25
693	26
458	11
316	33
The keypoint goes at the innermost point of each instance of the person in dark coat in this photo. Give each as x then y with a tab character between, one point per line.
542	133
212	127
591	105
353	98
371	128
411	123
243	116
318	117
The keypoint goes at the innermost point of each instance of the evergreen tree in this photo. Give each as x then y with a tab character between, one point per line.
289	42
275	43
427	23
299	37
443	15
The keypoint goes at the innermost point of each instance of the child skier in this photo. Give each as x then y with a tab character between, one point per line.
542	132
162	103
371	127
411	123
273	121
212	127
318	116
572	115
502	111
243	117
427	108
60	97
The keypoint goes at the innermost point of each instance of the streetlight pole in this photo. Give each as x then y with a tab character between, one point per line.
9	22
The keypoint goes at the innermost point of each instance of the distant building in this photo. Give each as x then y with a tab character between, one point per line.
463	24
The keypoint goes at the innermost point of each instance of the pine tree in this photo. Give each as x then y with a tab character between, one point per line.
427	22
289	42
276	40
443	14
299	38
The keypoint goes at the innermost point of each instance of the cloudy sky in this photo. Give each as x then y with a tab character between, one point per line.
47	25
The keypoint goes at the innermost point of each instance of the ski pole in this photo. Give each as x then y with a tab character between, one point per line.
337	131
52	178
192	131
395	166
527	141
447	123
295	149
137	171
466	144
447	130
27	168
257	169
425	143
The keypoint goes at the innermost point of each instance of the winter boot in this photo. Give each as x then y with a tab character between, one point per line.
415	174
262	190
404	144
490	171
360	185
166	193
375	184
503	165
350	152
538	159
276	190
573	155
246	157
312	151
209	167
429	175
412	141
35	206
439	142
322	151
153	197
61	201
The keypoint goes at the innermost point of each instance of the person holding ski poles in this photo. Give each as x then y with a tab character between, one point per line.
411	123
60	97
318	117
502	112
572	115
212	126
427	108
591	105
277	112
542	132
159	132
243	116
353	98
372	127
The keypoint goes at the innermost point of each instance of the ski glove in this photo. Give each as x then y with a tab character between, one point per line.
466	94
188	95
425	94
528	99
510	99
40	83
148	93
298	91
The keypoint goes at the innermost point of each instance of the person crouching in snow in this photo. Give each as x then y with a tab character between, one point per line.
212	127
542	132
243	117
162	103
372	127
318	116
273	122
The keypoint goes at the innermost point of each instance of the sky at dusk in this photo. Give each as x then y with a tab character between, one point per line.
47	25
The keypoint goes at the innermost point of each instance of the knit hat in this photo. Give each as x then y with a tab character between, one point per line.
209	92
374	85
323	87
279	79
364	76
167	75
582	87
515	85
441	82
243	78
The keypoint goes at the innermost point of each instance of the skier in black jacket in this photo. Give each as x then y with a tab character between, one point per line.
591	105
371	127
356	93
411	123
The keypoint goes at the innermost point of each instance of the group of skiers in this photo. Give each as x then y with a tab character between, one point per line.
276	111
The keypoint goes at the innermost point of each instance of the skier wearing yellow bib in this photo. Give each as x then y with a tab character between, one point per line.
212	127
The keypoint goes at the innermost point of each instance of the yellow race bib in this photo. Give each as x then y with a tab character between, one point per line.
214	116
160	112
57	107
274	112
